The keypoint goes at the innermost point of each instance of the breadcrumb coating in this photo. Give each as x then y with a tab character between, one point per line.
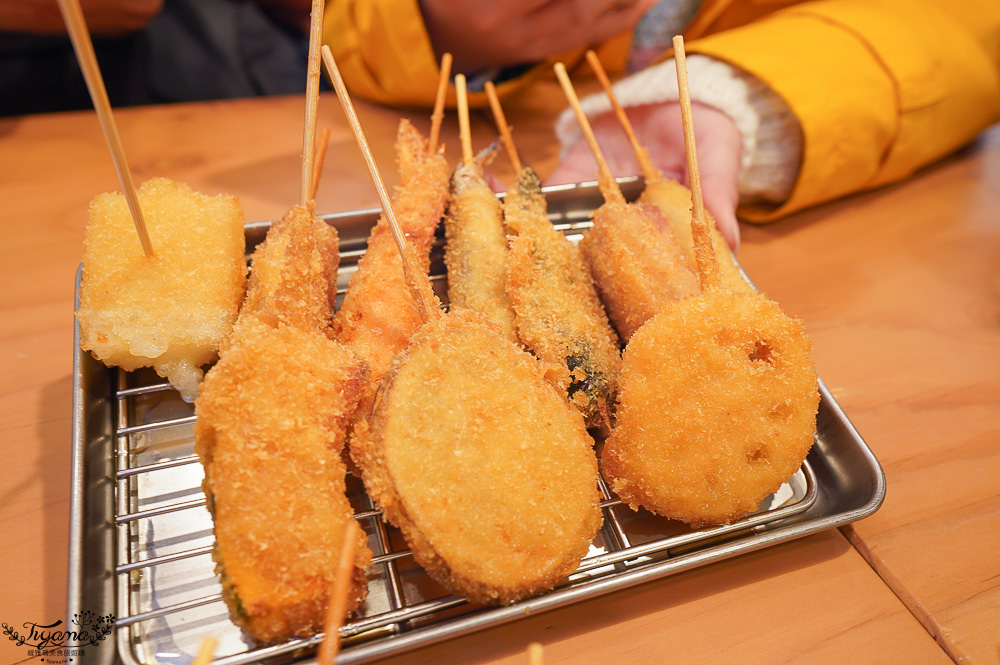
485	468
717	408
558	315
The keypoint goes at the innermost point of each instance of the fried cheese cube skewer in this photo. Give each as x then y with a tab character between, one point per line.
636	263
476	253
486	469
173	310
271	424
717	393
558	314
671	197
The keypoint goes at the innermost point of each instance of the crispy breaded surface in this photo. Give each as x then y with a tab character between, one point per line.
271	420
293	272
379	314
674	201
558	315
173	310
636	264
485	468
717	408
476	253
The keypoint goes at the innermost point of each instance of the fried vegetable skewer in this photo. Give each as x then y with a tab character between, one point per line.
633	257
476	253
717	396
469	447
271	423
558	314
671	197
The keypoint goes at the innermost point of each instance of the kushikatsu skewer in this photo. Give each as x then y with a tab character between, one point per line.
636	263
671	197
476	250
558	314
717	394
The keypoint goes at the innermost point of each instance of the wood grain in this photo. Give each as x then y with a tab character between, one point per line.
899	289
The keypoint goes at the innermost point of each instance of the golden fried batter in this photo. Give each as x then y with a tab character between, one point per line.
379	314
171	311
271	421
293	277
476	254
636	264
485	468
674	201
558	315
717	408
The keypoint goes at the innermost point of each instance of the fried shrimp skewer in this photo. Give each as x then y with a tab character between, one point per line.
636	263
271	423
717	396
671	197
558	314
476	253
486	469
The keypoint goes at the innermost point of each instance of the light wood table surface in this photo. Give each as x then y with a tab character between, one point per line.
899	289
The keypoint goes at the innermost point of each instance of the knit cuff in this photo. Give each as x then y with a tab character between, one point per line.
772	137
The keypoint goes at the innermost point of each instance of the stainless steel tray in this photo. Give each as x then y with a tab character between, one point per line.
141	538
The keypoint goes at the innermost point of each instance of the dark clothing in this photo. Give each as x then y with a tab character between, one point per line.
192	50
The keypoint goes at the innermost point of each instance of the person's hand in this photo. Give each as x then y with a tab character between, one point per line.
484	33
103	17
658	128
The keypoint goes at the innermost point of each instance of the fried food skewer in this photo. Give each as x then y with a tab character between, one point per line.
468	446
717	394
671	197
476	253
271	423
558	314
636	263
322	143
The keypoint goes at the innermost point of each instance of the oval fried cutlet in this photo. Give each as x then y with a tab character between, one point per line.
271	420
485	468
717	408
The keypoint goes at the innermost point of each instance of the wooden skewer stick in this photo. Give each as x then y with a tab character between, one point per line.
704	252
536	655
464	132
337	608
442	92
410	270
205	651
609	188
501	120
80	36
312	102
649	172
321	145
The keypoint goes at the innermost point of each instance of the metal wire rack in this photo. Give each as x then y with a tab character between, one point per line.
168	597
141	538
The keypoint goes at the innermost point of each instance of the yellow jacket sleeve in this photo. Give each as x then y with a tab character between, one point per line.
385	55
880	87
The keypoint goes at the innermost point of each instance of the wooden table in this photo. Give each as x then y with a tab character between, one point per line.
899	289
